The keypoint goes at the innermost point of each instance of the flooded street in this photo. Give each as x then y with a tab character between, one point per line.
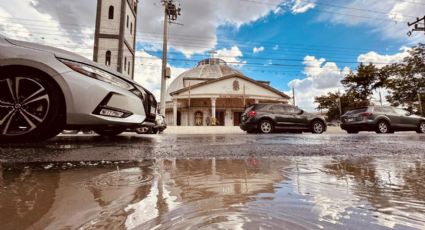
254	192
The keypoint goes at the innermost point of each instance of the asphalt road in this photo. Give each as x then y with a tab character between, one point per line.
131	147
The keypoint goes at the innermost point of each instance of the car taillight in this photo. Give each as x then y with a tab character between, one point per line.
366	114
252	113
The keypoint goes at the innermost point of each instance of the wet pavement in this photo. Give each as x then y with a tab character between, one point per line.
279	181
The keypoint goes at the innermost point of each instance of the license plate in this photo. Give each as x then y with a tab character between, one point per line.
350	119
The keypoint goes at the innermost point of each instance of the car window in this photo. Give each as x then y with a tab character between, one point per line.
356	111
277	108
249	108
401	112
378	110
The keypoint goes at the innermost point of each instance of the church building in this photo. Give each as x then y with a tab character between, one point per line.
213	93
115	35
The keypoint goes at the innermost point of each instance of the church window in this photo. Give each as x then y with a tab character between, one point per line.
108	58
111	12
127	20
125	66
128	68
131	28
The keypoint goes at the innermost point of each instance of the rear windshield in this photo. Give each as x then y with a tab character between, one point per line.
249	108
356	111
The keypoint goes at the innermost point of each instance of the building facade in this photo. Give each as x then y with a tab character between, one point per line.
214	93
115	35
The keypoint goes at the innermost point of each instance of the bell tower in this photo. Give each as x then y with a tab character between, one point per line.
115	35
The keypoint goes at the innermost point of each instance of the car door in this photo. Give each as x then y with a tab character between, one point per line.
281	115
394	117
298	119
406	122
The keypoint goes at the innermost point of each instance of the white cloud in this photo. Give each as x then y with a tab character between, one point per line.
321	77
276	47
147	72
232	56
381	60
301	6
257	50
387	18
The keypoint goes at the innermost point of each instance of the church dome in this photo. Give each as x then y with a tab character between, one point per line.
208	69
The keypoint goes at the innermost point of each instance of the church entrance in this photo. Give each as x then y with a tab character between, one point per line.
237	118
179	118
219	115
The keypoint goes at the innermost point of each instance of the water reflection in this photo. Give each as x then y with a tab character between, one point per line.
266	193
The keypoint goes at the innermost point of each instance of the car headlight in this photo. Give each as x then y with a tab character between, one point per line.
97	73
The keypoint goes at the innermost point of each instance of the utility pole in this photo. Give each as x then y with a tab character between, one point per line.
380	97
417	27
171	12
293	95
420	91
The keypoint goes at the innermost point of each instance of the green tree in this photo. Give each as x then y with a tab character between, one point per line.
363	82
405	79
331	103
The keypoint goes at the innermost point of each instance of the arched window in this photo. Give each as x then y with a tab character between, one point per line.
111	12
128	68
127	20
125	61
131	28
108	58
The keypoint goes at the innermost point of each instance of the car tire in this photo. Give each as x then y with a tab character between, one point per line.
30	105
383	127
421	127
266	127
109	132
317	127
352	131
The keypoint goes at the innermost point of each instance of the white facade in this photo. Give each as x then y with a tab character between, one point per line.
215	94
115	35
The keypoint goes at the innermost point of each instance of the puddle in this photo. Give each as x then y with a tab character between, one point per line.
252	193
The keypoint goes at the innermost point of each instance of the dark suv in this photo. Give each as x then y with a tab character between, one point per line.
381	119
267	118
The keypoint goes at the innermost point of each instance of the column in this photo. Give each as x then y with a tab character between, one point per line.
213	100
175	112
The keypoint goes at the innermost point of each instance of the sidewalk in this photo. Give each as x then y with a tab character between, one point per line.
220	130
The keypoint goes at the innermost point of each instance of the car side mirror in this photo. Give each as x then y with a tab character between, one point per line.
301	112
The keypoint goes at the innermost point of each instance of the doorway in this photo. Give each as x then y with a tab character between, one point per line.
219	115
179	118
237	118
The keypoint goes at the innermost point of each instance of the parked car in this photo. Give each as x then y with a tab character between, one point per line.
266	118
381	119
160	126
44	90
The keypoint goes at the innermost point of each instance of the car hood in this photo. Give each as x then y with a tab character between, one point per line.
60	53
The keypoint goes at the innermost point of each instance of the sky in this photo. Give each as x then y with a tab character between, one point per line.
306	44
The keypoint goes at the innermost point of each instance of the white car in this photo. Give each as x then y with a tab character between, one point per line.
44	90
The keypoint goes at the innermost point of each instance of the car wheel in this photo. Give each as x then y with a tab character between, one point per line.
350	131
383	127
30	108
111	132
421	128
317	127
266	126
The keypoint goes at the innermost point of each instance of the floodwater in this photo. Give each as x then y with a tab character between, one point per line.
253	193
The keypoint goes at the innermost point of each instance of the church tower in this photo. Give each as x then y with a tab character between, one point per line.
115	35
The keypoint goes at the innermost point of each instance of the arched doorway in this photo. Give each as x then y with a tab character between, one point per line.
199	118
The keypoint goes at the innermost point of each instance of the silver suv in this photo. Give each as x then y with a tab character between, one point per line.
381	119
